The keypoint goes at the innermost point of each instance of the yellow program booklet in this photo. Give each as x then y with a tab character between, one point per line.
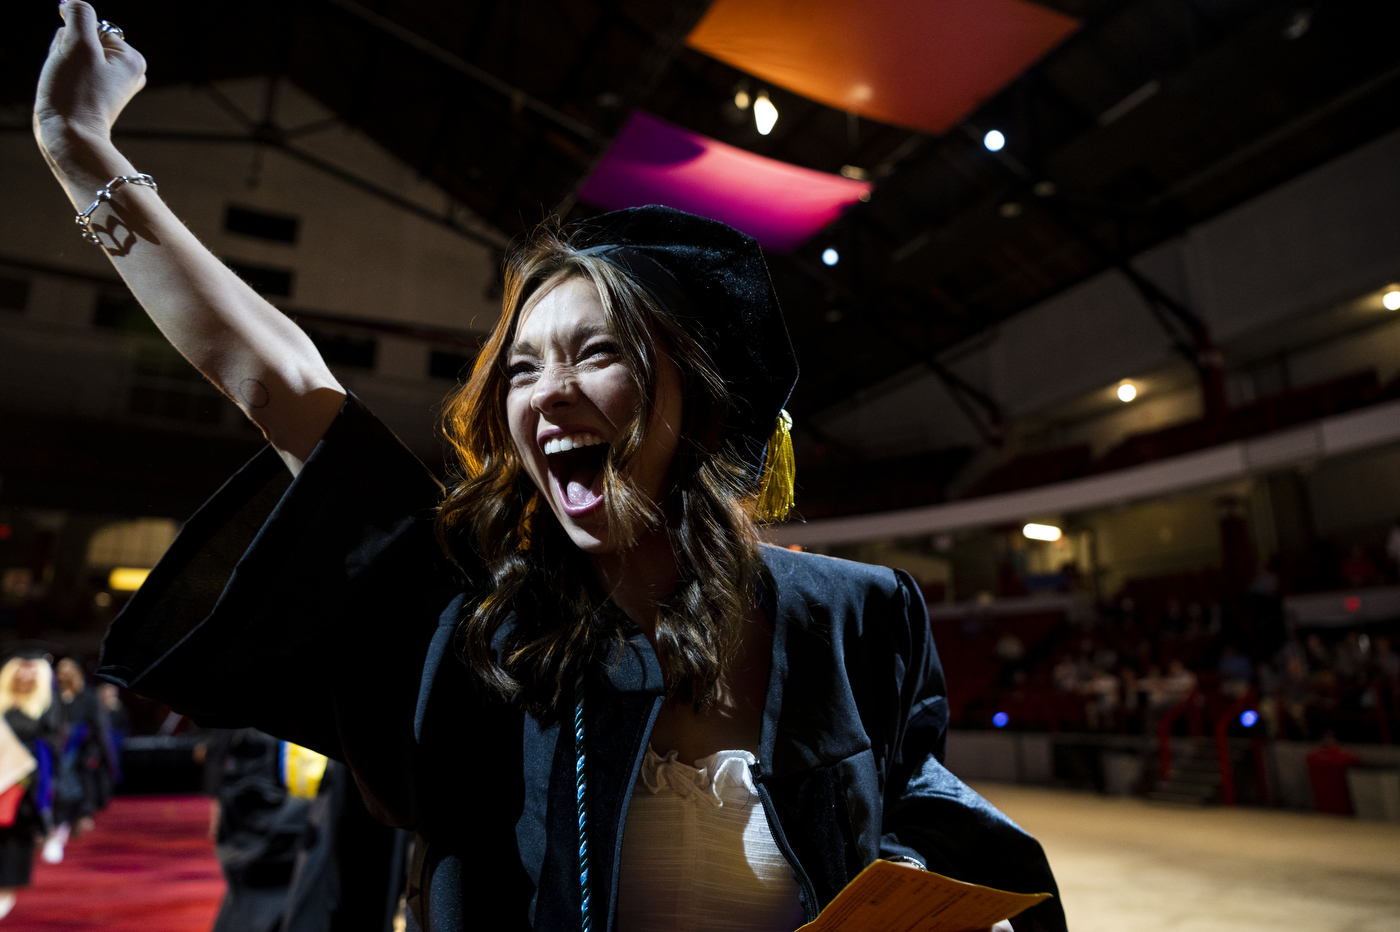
886	897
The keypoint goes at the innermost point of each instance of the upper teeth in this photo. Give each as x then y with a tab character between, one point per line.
564	444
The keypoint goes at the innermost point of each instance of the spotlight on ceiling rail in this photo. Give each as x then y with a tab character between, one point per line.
994	140
765	115
1391	300
1127	392
741	99
1041	532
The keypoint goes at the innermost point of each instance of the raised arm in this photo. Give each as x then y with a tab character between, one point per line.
250	350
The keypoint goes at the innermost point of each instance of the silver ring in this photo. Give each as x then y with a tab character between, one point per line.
105	28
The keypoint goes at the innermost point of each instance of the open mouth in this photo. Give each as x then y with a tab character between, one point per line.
576	469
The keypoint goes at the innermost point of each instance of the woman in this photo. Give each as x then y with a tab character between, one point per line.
578	676
26	700
83	771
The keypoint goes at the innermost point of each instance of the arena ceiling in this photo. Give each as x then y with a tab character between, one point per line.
1155	115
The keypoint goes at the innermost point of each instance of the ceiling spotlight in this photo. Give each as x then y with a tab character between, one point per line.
1010	209
994	140
830	256
1041	532
1391	300
741	99
1127	392
765	115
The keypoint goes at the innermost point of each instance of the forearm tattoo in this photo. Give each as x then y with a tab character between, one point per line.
253	394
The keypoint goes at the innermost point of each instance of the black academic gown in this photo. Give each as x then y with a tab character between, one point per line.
322	611
83	766
33	817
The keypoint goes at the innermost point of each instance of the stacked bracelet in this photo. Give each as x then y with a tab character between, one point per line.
104	193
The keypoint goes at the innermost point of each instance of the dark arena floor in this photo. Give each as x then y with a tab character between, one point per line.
1123	865
1126	865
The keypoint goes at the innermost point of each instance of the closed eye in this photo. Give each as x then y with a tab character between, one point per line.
520	370
601	348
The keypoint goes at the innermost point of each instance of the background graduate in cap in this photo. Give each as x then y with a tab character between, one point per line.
577	674
27	758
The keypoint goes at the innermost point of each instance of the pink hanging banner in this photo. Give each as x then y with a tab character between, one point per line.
655	162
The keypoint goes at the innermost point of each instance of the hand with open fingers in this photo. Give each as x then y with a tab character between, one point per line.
90	75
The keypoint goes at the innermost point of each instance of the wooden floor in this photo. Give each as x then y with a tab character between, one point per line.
1125	865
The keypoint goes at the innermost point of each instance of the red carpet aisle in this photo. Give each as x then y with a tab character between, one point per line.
148	867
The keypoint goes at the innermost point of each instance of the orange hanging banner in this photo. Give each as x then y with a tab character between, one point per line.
924	64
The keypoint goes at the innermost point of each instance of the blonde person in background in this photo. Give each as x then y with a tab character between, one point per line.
26	700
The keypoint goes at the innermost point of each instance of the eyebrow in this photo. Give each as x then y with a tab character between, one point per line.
581	334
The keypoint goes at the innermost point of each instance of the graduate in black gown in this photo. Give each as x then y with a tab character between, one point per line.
494	663
26	701
85	764
298	850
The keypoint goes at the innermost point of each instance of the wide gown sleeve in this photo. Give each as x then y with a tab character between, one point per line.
303	607
933	816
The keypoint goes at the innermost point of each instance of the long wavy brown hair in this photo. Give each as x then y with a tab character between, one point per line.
494	517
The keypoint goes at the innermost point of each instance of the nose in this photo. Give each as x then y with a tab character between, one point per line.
557	387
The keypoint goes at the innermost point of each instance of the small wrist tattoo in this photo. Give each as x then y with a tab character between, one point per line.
253	393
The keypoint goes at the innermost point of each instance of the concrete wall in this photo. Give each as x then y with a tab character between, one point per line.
1000	757
1014	757
356	258
356	255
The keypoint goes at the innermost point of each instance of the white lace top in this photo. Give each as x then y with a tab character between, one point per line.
698	855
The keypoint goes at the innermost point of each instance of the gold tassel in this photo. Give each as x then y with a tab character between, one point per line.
775	488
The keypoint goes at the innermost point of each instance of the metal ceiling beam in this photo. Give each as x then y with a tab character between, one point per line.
516	97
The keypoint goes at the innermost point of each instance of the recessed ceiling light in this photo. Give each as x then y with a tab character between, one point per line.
765	115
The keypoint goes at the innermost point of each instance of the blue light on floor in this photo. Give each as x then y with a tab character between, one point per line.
1248	717
1000	719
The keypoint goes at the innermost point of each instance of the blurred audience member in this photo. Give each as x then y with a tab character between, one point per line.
1318	655
1066	674
1178	683
1236	672
1102	689
1352	656
1387	661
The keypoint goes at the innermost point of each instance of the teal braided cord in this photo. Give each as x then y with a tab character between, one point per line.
581	780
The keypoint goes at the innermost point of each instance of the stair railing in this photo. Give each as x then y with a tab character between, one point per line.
1222	744
1164	730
